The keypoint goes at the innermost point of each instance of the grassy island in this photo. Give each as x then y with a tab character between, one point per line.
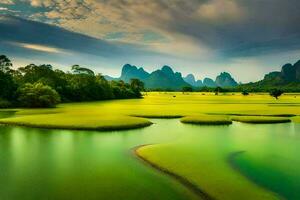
206	120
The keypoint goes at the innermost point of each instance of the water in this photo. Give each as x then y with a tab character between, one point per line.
59	164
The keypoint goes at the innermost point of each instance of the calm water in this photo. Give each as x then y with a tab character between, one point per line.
57	164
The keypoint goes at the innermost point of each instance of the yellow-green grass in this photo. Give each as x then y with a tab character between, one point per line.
73	121
261	119
161	116
206	120
206	169
296	119
118	114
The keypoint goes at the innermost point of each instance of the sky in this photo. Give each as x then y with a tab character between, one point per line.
247	38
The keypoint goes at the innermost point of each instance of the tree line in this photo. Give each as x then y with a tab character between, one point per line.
43	86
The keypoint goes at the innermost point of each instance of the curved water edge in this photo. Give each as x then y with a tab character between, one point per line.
194	188
108	145
231	161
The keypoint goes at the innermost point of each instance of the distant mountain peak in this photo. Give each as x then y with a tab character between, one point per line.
208	82
190	79
166	69
225	80
131	71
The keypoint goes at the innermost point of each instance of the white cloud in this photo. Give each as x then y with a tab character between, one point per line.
38	47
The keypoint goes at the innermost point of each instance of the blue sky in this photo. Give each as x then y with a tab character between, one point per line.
247	38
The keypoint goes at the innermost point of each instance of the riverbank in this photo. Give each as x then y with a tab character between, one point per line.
194	188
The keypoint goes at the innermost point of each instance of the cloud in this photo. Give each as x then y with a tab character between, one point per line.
45	37
220	10
38	47
7	2
201	31
222	25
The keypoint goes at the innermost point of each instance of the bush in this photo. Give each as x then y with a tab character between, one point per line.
4	103
37	95
245	93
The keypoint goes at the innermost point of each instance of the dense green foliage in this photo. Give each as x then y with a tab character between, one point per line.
37	95
43	86
187	89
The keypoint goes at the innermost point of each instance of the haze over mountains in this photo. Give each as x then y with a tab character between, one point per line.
287	78
166	78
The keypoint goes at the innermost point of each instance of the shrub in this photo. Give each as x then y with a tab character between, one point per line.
276	93
37	95
245	93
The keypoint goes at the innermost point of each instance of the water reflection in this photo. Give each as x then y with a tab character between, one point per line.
60	164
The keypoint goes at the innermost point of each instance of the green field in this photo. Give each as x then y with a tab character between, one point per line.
126	114
226	162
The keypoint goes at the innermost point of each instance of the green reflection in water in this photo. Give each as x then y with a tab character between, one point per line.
59	164
275	162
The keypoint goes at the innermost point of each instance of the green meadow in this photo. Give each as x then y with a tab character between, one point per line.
126	114
225	146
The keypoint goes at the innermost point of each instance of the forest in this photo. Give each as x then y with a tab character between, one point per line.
44	86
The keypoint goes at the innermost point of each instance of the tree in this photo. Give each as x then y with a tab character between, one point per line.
5	64
37	95
217	90
137	86
76	69
276	93
187	89
7	84
245	93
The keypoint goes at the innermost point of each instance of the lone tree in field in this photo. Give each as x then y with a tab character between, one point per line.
218	90
276	93
187	89
245	93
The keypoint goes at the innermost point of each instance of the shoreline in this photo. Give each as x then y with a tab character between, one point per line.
101	129
185	182
230	160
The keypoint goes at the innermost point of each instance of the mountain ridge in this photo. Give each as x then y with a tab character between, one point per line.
167	78
288	77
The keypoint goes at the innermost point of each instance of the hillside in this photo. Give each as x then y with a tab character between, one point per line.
288	79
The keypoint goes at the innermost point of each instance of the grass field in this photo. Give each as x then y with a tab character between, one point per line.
126	114
198	158
266	153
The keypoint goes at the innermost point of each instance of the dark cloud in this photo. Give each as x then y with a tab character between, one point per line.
263	25
17	30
